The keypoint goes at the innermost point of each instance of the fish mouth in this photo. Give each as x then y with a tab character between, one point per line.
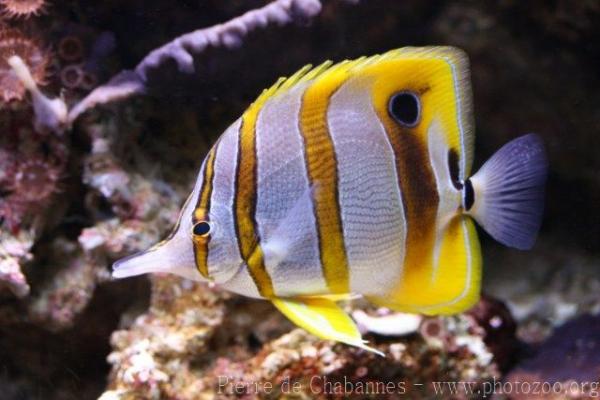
134	264
165	257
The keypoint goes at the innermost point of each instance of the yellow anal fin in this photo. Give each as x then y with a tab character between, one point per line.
454	286
324	319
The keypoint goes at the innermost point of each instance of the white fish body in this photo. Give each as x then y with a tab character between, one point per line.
354	179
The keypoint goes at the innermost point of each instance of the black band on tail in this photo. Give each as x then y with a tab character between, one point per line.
468	195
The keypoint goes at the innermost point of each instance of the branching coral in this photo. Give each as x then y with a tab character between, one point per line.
51	114
183	49
228	35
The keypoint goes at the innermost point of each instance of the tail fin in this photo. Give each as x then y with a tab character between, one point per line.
507	194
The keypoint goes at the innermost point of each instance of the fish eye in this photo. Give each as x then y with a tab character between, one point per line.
405	108
201	229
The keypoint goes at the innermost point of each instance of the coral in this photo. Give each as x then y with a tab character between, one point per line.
495	319
22	8
65	296
12	277
228	35
15	43
165	343
33	169
14	252
180	348
183	49
35	180
50	114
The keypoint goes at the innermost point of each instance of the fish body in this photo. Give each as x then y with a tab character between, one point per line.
354	179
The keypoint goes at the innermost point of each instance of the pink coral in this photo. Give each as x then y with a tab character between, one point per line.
22	8
36	179
12	277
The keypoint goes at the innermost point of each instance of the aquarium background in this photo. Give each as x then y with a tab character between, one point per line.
77	195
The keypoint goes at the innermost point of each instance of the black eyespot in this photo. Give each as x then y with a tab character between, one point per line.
201	229
405	108
469	195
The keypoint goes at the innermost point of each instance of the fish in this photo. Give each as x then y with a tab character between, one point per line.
354	179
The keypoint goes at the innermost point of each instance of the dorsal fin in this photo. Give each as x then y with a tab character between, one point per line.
456	58
308	72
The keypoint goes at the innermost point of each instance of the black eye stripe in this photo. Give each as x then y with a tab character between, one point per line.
202	228
405	108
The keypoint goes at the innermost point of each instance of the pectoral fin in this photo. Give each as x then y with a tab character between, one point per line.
283	242
323	318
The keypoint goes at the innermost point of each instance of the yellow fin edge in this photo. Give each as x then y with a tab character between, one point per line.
324	319
308	72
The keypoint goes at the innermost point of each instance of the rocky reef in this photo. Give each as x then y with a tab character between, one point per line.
198	342
106	112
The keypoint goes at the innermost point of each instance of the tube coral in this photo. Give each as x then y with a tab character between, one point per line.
50	114
14	43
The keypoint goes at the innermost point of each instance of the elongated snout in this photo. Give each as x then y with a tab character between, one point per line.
174	256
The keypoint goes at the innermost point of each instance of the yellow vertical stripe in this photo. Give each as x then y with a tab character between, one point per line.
201	213
322	174
245	200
